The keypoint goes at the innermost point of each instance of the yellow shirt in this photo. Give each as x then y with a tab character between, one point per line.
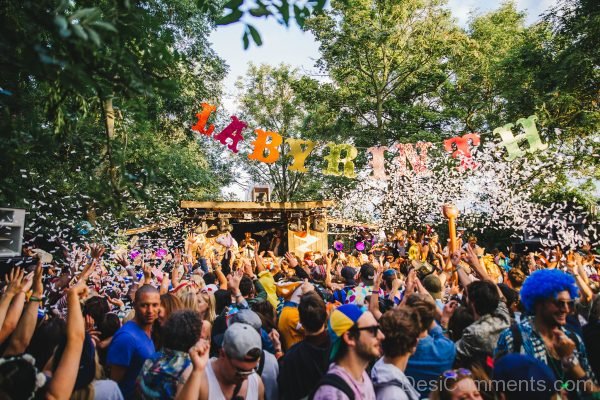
289	321
413	253
266	280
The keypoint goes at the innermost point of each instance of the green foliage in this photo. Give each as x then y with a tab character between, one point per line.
280	10
386	59
270	100
96	100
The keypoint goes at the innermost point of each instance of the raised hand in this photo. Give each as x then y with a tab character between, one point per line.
122	261
164	285
80	290
96	251
307	287
562	344
292	262
377	278
448	311
199	354
15	281
233	281
27	282
177	257
147	273
116	302
90	324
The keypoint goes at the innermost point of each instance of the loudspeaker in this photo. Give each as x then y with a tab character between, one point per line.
12	223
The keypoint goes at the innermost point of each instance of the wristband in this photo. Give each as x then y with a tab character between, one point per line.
34	298
569	362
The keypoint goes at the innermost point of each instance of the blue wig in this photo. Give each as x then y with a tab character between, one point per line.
544	284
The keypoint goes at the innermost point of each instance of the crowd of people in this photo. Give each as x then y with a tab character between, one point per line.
406	319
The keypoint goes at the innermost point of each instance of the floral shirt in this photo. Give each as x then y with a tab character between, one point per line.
162	373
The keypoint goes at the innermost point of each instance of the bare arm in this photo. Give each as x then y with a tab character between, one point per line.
24	331
15	309
221	277
15	285
374	299
63	380
199	356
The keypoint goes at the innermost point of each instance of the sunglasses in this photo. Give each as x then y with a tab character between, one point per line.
456	373
242	373
568	304
371	329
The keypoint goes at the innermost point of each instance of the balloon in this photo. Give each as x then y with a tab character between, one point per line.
377	162
134	254
511	142
232	134
260	145
200	126
360	246
334	159
298	154
407	151
338	246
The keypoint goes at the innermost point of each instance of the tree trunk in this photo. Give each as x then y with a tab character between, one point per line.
109	124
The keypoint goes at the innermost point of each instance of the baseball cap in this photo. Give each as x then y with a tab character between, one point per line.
521	367
242	341
340	321
247	317
433	285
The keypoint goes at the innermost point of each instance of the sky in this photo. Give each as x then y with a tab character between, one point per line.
301	50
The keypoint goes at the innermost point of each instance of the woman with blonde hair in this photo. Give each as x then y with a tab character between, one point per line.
209	299
189	301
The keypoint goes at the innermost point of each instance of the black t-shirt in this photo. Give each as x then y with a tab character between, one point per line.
301	368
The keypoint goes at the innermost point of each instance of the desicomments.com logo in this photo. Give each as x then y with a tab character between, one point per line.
495	386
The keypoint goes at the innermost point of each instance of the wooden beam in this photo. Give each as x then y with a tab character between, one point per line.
249	205
149	228
350	223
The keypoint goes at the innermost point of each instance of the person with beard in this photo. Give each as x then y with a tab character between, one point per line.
356	341
548	295
132	344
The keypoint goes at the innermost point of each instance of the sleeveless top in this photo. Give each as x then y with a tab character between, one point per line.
214	389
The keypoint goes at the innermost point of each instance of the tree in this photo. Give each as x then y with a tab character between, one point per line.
387	61
506	71
269	101
95	99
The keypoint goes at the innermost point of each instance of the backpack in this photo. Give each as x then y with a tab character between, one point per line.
337	382
395	382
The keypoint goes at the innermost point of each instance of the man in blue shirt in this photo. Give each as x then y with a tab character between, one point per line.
132	345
